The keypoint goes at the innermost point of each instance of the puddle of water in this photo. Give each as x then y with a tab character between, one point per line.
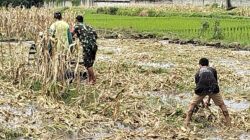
186	98
241	52
98	136
239	106
213	128
25	43
123	127
157	65
164	42
244	136
238	67
243	73
106	40
142	53
182	100
171	99
115	49
214	138
77	135
95	136
103	57
13	117
10	109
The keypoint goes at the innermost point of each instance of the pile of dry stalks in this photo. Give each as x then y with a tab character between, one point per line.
27	23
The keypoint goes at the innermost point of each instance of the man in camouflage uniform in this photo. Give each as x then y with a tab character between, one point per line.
87	37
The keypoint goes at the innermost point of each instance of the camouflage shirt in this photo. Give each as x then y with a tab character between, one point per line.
87	37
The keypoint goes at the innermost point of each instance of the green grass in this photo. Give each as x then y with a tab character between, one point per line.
213	12
10	134
36	86
71	93
156	23
233	30
185	25
173	119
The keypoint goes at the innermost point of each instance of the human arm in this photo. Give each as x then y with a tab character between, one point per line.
197	77
69	36
215	76
51	35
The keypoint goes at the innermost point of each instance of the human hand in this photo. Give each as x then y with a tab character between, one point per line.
207	104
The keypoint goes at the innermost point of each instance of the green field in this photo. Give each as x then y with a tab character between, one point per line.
157	23
232	30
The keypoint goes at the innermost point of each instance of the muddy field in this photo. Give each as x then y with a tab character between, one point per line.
142	92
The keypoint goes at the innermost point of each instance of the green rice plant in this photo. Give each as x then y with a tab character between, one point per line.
218	32
204	28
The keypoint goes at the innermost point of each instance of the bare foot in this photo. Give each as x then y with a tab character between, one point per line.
92	82
87	82
186	125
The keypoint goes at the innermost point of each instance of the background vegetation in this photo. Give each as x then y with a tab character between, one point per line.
26	3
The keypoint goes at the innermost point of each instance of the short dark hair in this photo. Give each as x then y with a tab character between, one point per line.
57	15
204	62
79	18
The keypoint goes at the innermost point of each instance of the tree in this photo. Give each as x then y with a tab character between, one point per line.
76	2
26	3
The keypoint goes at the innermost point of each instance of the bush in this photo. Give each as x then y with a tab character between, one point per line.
215	5
204	27
105	10
124	12
100	10
26	3
76	2
63	9
137	11
218	32
113	10
152	13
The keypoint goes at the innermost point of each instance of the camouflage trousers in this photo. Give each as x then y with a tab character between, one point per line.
88	56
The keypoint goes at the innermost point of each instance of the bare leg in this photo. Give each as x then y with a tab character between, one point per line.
91	75
226	114
189	114
88	76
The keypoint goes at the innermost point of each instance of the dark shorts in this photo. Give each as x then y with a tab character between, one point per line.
88	61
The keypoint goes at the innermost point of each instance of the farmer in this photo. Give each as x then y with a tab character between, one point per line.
59	44
87	36
207	84
60	34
